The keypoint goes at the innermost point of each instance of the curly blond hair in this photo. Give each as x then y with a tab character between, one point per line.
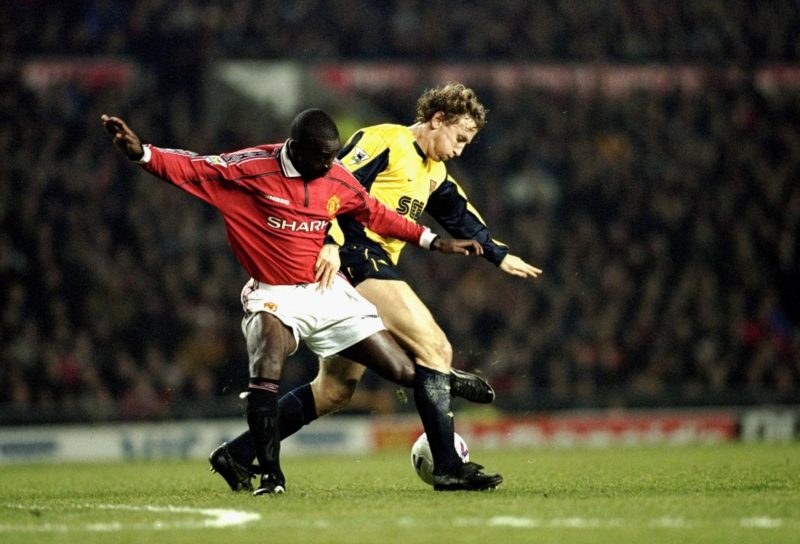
454	100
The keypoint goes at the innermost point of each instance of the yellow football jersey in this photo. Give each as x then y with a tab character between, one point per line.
391	166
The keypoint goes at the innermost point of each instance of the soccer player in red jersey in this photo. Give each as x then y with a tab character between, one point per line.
276	202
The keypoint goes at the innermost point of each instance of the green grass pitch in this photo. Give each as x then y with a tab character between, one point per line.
689	494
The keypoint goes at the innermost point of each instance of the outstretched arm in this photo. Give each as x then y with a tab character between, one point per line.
449	205
206	177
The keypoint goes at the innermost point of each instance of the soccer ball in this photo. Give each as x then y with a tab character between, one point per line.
422	458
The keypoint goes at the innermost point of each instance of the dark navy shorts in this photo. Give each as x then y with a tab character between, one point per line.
362	261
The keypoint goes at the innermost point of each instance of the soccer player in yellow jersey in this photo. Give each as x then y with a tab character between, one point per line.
404	168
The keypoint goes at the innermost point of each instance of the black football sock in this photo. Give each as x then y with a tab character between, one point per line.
262	418
296	409
432	397
243	448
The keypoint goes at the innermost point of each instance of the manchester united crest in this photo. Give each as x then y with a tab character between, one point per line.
333	205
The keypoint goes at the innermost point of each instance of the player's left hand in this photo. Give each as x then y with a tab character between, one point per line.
326	266
515	266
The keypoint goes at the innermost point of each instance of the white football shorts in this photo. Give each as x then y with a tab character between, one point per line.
327	321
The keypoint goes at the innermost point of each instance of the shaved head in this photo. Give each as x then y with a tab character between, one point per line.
314	143
314	125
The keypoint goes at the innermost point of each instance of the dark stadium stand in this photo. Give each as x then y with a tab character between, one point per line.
667	222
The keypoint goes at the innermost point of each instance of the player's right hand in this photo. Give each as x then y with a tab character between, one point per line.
326	266
456	246
123	137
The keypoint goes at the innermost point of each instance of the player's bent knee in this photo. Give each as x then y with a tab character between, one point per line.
334	396
341	396
447	355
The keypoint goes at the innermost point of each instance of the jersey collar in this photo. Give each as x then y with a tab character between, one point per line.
286	163
419	151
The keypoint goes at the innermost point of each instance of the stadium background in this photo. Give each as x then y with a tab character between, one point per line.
645	155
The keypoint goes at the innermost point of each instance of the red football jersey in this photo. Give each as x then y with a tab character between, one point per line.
275	221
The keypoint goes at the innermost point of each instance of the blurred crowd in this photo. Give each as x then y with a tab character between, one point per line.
563	30
667	224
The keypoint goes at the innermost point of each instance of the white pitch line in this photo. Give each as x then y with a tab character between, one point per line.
218	517
573	522
607	523
670	523
761	523
213	518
